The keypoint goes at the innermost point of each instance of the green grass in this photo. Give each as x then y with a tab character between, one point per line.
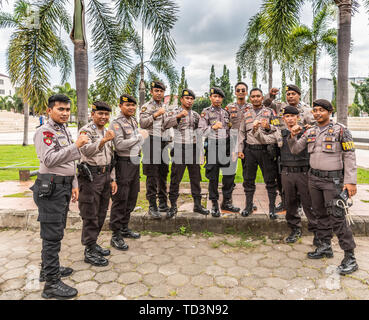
17	155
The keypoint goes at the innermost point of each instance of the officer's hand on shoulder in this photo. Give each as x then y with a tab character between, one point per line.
109	135
82	140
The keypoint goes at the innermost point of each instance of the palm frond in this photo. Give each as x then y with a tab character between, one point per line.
111	56
7	20
169	71
132	82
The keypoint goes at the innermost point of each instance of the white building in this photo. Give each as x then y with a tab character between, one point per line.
6	88
325	89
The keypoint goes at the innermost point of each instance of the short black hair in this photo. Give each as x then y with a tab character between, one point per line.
243	83
58	98
255	89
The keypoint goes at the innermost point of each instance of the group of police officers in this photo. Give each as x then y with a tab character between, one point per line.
302	153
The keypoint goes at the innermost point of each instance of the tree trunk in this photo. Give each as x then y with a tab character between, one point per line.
26	121
314	81
270	72
343	45
80	62
142	88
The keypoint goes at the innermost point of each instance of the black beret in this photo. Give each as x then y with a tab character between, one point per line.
188	93
217	91
324	104
290	110
158	85
100	106
292	87
127	98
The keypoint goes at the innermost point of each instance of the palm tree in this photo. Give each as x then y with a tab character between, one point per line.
34	46
159	17
310	42
255	51
70	92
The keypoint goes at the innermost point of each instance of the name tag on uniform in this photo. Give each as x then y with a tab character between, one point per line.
348	145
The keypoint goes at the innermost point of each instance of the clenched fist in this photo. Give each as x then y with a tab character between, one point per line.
265	123
109	135
159	112
273	91
256	125
82	140
182	114
217	125
296	129
143	133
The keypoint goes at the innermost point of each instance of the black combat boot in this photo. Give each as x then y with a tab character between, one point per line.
117	241
64	272
279	207
348	264
173	209
163	206
324	250
103	252
294	236
316	241
272	214
55	288
228	206
249	208
153	209
215	212
199	208
92	256
128	233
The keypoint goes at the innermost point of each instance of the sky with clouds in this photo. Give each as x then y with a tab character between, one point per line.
211	31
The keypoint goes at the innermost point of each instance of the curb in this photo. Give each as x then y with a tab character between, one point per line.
257	224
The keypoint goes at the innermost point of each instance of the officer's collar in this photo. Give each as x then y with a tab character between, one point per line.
215	108
122	115
55	125
156	103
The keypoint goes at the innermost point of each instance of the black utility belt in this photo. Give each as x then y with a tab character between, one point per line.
128	159
100	169
256	146
327	174
55	179
296	169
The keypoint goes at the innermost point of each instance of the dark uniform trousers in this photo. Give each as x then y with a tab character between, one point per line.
124	201
52	216
322	192
185	155
295	183
155	166
254	156
218	156
93	205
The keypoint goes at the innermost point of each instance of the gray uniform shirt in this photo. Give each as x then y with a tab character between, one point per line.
247	124
127	141
154	126
56	150
331	148
185	129
209	117
236	113
91	153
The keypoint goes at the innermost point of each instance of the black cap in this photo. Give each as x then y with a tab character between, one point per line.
158	85
100	106
217	91
127	98
290	110
188	93
292	87
324	104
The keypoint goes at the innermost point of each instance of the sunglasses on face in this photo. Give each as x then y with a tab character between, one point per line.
240	90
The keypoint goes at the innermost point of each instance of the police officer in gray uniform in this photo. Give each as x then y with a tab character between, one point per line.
220	152
294	176
55	186
155	162
186	152
128	141
332	179
96	179
256	153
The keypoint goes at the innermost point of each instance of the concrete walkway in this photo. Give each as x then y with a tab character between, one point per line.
186	267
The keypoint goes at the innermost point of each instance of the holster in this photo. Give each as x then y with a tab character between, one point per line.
46	186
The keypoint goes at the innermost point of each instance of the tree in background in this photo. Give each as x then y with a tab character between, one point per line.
362	91
182	85
34	47
213	80
200	104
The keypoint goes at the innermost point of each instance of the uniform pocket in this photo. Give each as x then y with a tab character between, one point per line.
86	205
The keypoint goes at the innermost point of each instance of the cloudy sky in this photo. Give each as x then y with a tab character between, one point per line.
211	31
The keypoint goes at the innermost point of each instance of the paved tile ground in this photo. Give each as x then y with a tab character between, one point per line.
200	266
